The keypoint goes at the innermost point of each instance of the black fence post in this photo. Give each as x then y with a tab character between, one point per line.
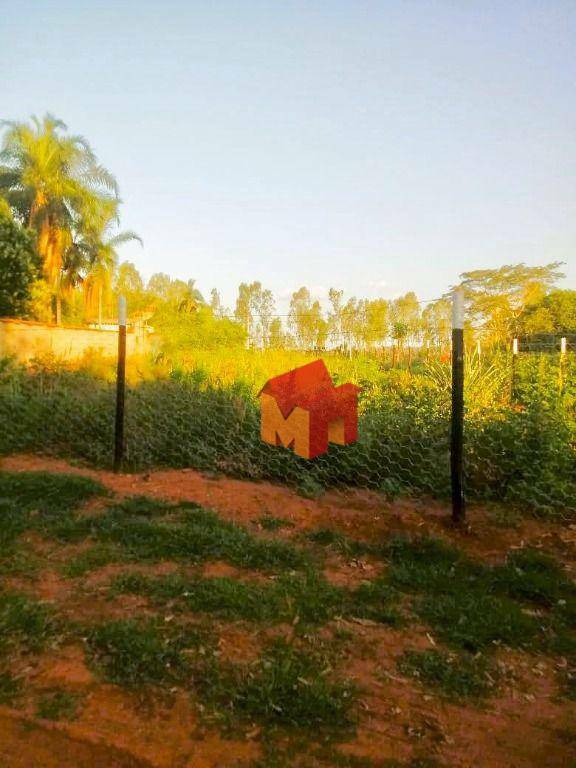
457	436
120	386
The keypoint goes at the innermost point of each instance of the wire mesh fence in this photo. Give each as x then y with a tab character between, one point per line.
203	412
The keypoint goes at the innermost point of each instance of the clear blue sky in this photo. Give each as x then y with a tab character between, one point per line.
373	146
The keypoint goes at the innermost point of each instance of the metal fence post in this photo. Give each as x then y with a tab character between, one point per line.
562	365
513	370
457	436
120	386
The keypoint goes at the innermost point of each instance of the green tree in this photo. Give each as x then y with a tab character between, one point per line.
98	248
306	322
496	298
255	310
554	313
51	181
19	266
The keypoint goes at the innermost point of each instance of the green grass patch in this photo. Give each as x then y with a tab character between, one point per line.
287	687
474	622
532	576
93	558
455	676
10	688
307	597
136	653
42	502
326	537
24	622
58	705
271	523
192	534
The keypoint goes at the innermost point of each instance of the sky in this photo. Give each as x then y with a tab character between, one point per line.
374	146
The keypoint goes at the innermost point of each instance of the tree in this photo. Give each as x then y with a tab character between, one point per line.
335	333
19	266
305	319
216	304
159	285
437	323
254	310
405	321
98	246
51	181
554	313
496	298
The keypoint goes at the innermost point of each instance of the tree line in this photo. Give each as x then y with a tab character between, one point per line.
59	240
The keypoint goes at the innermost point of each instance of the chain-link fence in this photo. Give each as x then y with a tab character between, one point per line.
202	412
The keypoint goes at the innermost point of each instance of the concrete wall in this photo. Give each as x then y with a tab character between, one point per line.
26	339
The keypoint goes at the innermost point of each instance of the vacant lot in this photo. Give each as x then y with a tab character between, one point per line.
173	619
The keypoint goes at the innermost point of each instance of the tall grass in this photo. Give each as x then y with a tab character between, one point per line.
207	417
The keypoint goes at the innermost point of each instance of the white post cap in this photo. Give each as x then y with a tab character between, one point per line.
458	308
122	310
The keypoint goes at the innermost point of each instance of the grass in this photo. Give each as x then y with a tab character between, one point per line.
455	676
43	502
326	537
10	688
305	598
190	533
93	558
24	622
136	653
286	687
531	576
474	622
58	705
271	523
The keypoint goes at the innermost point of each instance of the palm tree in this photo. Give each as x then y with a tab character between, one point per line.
99	245
50	180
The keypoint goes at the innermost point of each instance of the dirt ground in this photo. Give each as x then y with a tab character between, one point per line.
527	725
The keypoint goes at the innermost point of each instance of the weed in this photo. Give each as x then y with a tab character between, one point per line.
58	705
455	676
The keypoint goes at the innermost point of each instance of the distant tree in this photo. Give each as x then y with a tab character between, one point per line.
277	338
181	330
216	303
20	267
437	323
98	246
335	333
306	322
554	313
128	279
496	298
159	285
254	310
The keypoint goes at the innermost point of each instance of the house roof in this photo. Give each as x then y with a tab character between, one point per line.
309	387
